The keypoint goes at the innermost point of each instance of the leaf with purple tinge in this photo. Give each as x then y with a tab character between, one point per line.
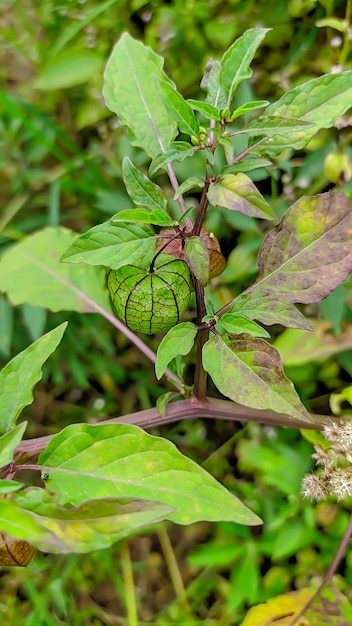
309	252
269	309
237	192
249	371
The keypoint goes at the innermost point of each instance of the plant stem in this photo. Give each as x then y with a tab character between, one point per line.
200	376
329	574
202	211
127	575
192	408
180	199
346	37
174	570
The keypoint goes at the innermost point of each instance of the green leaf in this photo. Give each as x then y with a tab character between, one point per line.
130	92
276	126
34	515
31	272
178	151
193	182
178	108
6	486
248	107
238	324
163	400
269	309
120	460
208	110
113	245
69	68
211	82
10	440
309	252
142	191
143	216
237	192
197	257
178	341
6	326
237	59
19	376
249	371
320	101
248	164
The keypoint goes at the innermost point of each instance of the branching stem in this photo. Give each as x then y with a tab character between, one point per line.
191	408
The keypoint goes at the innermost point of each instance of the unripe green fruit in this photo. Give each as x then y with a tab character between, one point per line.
151	301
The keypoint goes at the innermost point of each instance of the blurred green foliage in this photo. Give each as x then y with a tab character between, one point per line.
60	163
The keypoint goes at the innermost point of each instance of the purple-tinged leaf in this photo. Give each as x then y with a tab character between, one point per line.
249	371
237	192
309	252
266	308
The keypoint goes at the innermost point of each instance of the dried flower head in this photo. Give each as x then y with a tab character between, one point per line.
314	487
340	433
321	456
340	483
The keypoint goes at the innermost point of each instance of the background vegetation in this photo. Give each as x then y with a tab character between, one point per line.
61	154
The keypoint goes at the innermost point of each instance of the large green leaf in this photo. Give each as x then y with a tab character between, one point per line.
178	341
142	191
320	101
34	515
118	460
249	371
113	245
130	92
10	440
178	108
237	192
237	59
31	272
19	376
309	252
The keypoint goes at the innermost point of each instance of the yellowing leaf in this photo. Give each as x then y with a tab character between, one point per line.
279	611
